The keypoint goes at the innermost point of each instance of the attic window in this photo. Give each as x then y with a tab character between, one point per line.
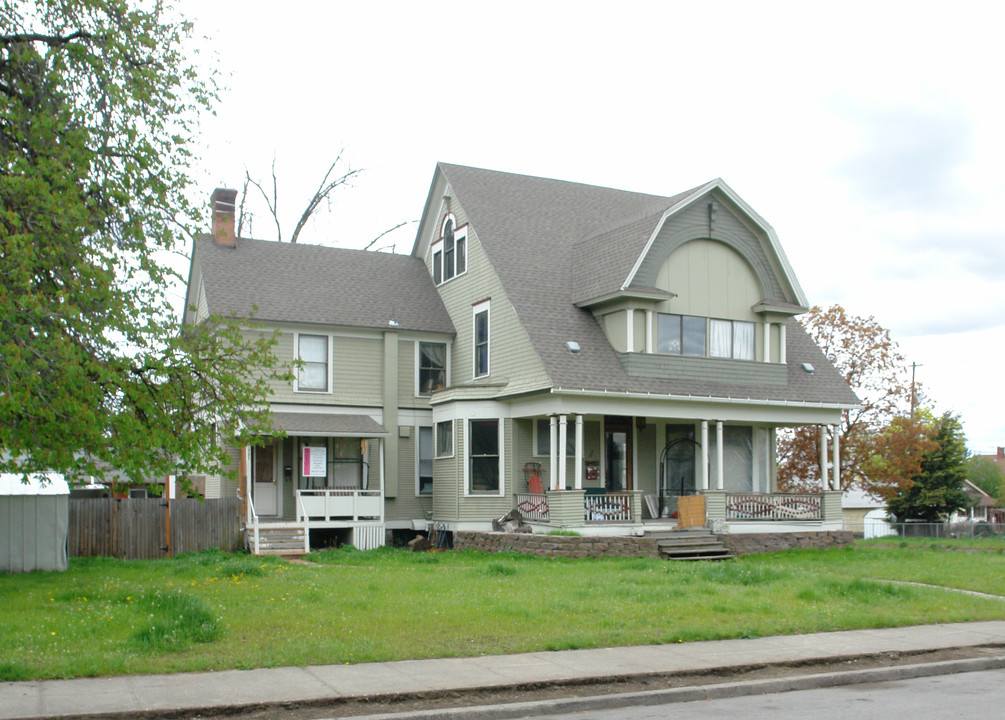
450	251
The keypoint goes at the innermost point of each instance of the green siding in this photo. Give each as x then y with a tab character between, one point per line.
511	357
356	376
711	279
407	506
615	326
480	508
447	479
740	372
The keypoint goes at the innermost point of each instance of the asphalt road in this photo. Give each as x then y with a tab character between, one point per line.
964	695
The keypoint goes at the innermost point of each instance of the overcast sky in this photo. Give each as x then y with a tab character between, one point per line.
870	135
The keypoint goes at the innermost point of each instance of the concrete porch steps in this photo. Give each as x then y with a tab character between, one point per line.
690	544
277	540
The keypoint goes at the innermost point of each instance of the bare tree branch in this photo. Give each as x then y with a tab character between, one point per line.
386	232
271	203
240	212
325	189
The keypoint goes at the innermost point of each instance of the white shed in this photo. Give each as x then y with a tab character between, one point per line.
34	517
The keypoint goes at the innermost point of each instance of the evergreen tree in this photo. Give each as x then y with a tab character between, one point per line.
937	489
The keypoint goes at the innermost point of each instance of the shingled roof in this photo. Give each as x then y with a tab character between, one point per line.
553	243
299	283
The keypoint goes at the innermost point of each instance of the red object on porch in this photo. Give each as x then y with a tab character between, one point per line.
532	474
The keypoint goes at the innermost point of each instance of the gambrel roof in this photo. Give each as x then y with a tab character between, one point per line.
299	283
555	244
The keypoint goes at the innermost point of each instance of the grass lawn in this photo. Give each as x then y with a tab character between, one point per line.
217	611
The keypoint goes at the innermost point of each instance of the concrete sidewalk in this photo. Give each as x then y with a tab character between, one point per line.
194	692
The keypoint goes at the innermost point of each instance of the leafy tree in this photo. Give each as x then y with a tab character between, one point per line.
878	446
98	109
987	475
937	488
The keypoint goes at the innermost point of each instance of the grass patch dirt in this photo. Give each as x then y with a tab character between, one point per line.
217	611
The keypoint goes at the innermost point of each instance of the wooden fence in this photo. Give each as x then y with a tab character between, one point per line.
134	528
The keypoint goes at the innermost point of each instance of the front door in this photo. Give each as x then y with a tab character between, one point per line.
617	453
263	468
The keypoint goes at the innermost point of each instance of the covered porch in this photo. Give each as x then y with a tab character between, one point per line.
623	475
323	482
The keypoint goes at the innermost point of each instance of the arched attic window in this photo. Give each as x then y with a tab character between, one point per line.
450	251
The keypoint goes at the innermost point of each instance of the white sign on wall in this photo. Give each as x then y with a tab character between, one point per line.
315	462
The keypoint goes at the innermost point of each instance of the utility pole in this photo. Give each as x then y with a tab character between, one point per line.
914	368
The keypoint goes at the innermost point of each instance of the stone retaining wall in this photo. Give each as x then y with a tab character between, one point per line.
566	546
754	543
569	546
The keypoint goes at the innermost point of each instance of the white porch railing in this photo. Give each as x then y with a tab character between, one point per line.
340	504
253	518
609	506
303	519
533	507
773	506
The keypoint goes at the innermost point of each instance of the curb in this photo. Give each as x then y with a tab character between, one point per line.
690	694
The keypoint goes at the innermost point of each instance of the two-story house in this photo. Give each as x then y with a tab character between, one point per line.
584	354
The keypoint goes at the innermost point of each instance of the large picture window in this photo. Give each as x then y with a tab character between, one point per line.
701	337
312	351
432	367
483	444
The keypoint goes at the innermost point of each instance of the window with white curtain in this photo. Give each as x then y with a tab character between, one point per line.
686	335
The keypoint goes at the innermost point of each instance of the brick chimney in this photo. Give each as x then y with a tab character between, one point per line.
1001	452
222	202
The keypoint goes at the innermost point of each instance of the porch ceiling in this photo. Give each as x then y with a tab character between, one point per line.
328	425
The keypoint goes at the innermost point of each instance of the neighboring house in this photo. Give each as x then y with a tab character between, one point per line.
585	354
981	505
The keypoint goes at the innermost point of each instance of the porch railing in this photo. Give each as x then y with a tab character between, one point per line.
256	533
533	506
340	504
773	506
608	506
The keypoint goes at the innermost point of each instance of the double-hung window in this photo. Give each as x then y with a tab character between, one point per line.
312	351
483	463
432	367
450	251
481	339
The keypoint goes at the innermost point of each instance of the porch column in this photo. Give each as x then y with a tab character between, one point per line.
720	474
823	458
767	342
781	343
649	331
631	329
553	455
579	452
704	456
563	437
836	440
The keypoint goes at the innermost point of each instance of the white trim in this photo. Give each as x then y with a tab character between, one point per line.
579	452
650	315
630	332
701	398
501	428
782	354
296	356
476	309
563	440
763	224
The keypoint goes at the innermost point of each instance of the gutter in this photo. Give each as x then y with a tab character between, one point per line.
702	398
